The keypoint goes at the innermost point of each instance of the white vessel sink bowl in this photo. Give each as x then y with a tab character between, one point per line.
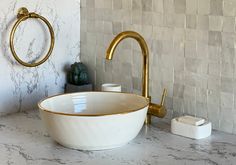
94	120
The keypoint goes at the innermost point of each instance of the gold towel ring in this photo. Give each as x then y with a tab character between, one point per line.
23	14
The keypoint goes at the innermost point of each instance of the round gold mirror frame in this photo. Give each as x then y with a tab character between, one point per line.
23	14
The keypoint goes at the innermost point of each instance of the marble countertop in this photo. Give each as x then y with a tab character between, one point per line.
23	140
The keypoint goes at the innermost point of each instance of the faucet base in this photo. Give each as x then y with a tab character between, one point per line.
155	110
148	119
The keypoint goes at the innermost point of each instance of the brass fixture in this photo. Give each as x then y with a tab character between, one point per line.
23	14
158	110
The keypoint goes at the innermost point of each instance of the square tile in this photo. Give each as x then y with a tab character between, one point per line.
147	5
229	24
229	8
117	4
216	7
158	6
202	22
203	7
180	6
215	38
215	23
191	21
137	5
191	6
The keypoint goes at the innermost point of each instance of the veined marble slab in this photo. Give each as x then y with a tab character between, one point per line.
23	140
21	87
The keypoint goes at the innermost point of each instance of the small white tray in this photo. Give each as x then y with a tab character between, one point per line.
191	131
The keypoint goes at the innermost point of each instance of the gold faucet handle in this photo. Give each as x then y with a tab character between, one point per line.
157	110
164	94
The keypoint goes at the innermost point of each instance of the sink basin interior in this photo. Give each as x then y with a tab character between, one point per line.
93	103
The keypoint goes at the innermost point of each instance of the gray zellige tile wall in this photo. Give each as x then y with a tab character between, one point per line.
192	52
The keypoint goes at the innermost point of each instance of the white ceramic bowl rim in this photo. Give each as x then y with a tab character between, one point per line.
92	115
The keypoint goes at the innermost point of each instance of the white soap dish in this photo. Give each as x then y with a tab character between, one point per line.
190	130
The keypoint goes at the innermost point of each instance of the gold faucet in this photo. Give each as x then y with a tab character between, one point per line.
158	110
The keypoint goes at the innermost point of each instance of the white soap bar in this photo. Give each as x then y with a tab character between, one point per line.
191	120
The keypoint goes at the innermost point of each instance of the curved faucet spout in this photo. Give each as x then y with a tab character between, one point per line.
145	53
154	109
